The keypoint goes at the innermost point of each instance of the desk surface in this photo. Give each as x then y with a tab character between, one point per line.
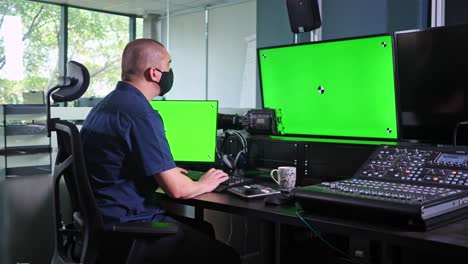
451	238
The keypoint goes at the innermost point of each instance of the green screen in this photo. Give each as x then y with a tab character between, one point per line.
190	128
341	88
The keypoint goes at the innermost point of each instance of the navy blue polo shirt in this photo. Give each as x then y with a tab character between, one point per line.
124	146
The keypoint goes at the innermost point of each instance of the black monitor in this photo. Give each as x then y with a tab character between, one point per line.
432	79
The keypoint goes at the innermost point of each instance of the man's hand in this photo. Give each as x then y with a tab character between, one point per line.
212	178
177	185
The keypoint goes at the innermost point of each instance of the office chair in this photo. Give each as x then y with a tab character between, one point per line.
80	239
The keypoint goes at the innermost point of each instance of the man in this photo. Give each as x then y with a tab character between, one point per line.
127	157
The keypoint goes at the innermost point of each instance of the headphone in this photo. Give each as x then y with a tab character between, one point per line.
235	163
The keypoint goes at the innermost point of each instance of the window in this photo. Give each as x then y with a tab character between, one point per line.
139	28
29	37
29	47
97	40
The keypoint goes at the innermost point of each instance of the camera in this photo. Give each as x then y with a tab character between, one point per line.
255	121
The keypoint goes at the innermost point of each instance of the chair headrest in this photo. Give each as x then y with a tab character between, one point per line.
74	85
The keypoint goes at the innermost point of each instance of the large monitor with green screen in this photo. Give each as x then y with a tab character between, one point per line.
190	129
335	88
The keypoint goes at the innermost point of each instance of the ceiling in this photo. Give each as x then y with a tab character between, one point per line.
142	7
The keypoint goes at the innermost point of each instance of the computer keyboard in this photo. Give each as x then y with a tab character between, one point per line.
231	182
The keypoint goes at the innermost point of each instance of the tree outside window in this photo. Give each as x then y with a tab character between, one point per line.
29	37
29	47
97	40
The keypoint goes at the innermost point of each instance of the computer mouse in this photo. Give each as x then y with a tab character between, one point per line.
252	191
278	199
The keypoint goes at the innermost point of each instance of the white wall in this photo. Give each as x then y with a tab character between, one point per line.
187	48
231	54
230	29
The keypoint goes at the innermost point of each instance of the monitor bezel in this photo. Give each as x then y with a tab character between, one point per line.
197	165
395	80
402	137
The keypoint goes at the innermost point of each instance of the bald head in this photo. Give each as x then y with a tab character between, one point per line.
139	55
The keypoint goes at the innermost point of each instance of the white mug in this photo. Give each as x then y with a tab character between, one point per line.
286	177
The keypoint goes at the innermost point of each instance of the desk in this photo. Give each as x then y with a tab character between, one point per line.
393	245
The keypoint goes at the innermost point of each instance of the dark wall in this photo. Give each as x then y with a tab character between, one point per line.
353	18
364	17
273	23
340	18
404	14
456	12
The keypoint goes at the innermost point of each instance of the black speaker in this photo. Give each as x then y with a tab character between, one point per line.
304	15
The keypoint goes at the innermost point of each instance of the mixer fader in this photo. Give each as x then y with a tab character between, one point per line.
416	187
423	164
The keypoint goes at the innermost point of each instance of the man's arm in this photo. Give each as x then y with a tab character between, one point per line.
177	185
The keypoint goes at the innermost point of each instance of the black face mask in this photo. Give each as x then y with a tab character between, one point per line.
166	81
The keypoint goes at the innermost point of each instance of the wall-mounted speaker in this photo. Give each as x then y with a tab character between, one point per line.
304	15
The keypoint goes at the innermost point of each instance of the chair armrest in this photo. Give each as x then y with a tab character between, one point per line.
146	228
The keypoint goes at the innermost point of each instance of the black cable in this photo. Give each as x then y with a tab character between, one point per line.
317	234
455	131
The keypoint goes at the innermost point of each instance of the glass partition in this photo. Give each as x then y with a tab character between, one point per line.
213	52
97	40
29	49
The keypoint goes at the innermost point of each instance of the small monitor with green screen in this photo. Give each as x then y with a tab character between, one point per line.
336	88
190	129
